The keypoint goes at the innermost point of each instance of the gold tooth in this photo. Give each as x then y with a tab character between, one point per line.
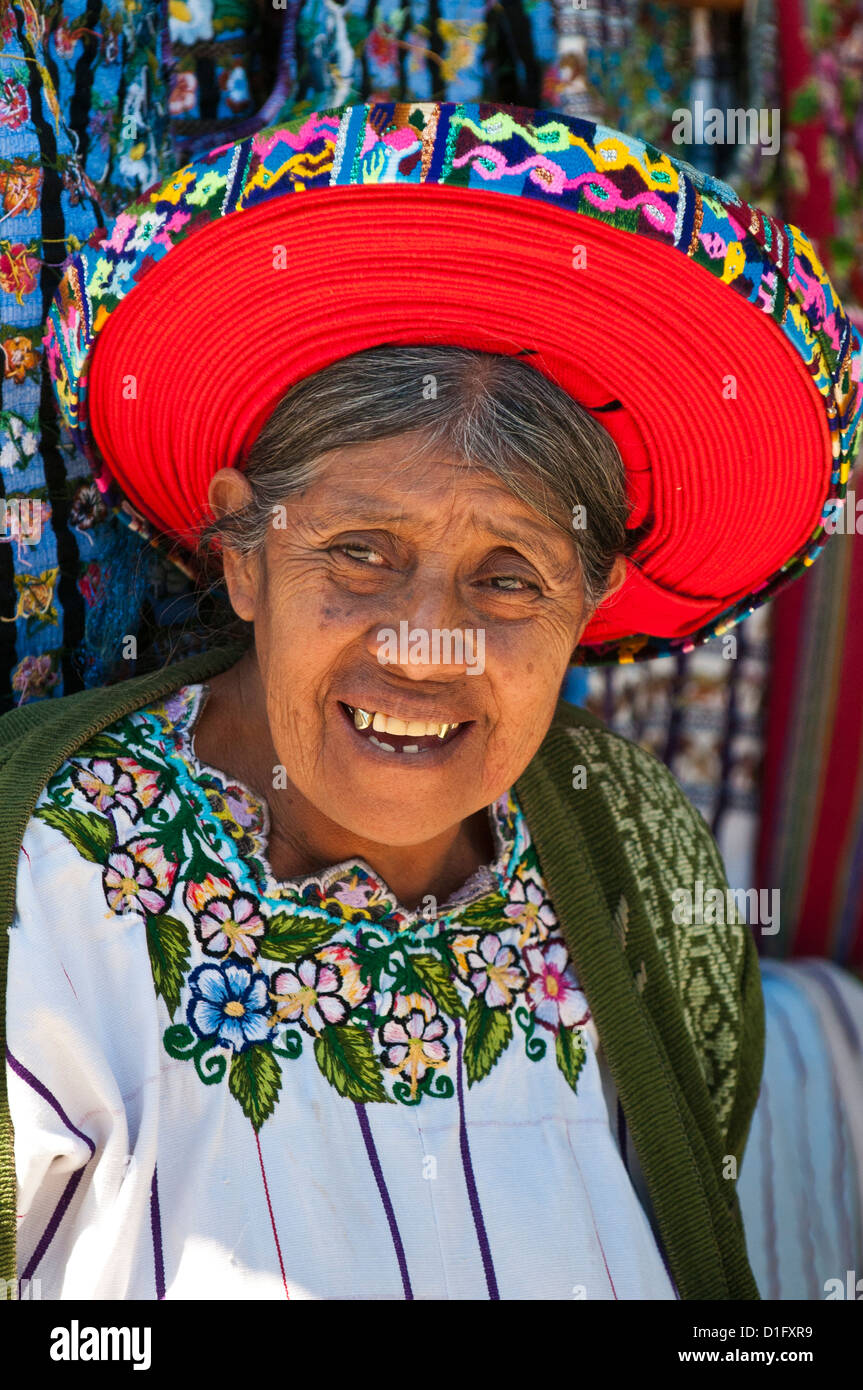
363	720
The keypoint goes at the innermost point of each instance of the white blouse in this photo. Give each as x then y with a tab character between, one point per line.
227	1086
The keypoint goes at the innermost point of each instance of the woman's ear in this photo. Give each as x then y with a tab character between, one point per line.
229	491
616	577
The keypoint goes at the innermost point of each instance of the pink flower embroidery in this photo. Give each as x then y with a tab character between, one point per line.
121	782
308	993
529	907
353	988
553	992
493	975
19	270
184	93
197	895
14	106
413	1039
230	926
139	873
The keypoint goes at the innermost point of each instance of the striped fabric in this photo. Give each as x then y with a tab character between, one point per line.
801	1180
811	834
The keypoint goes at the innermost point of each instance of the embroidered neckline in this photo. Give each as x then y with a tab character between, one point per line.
236	823
394	1004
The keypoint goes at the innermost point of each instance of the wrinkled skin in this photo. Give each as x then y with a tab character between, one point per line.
375	540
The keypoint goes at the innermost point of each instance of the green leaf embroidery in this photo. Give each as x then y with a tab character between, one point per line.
92	836
104	746
570	1053
255	1081
289	937
436	981
168	945
487	1034
346	1057
486	914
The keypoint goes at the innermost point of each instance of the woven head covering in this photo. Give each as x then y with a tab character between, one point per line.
704	335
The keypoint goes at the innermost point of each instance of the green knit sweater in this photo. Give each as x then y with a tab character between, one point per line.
678	1008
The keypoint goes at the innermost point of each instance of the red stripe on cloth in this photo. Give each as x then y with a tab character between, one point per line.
837	822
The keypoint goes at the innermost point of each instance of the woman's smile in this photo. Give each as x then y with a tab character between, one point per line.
424	743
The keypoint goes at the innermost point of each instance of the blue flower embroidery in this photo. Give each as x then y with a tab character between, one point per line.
229	1003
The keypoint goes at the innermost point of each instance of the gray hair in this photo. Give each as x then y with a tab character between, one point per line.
488	411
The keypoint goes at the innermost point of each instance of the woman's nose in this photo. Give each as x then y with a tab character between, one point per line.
427	636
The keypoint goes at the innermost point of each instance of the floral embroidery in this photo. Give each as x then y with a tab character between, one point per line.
230	926
310	995
14	106
138	873
553	990
262	970
228	1003
413	1040
122	782
492	973
19	357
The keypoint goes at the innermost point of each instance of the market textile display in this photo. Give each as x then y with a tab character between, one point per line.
810	844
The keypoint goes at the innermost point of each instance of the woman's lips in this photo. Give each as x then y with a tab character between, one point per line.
410	745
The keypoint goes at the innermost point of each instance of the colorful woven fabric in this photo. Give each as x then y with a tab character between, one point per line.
612	181
215	55
811	840
83	127
701	712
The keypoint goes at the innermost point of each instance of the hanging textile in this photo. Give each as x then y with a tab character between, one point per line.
811	839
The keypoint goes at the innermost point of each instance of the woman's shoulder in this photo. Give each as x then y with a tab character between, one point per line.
665	884
36	738
640	791
39	741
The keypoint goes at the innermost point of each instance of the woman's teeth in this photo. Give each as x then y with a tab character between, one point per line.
387	724
373	722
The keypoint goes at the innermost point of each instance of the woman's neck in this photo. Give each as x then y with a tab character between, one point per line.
303	840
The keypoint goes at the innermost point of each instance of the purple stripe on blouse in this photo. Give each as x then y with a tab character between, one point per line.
375	1162
470	1180
156	1227
72	1185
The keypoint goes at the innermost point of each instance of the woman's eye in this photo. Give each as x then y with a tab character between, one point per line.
513	583
363	554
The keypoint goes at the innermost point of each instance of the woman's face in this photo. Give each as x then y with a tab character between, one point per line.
419	591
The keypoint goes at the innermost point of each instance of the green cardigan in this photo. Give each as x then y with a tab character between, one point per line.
678	1009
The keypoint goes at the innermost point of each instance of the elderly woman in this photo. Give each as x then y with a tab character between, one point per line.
346	960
